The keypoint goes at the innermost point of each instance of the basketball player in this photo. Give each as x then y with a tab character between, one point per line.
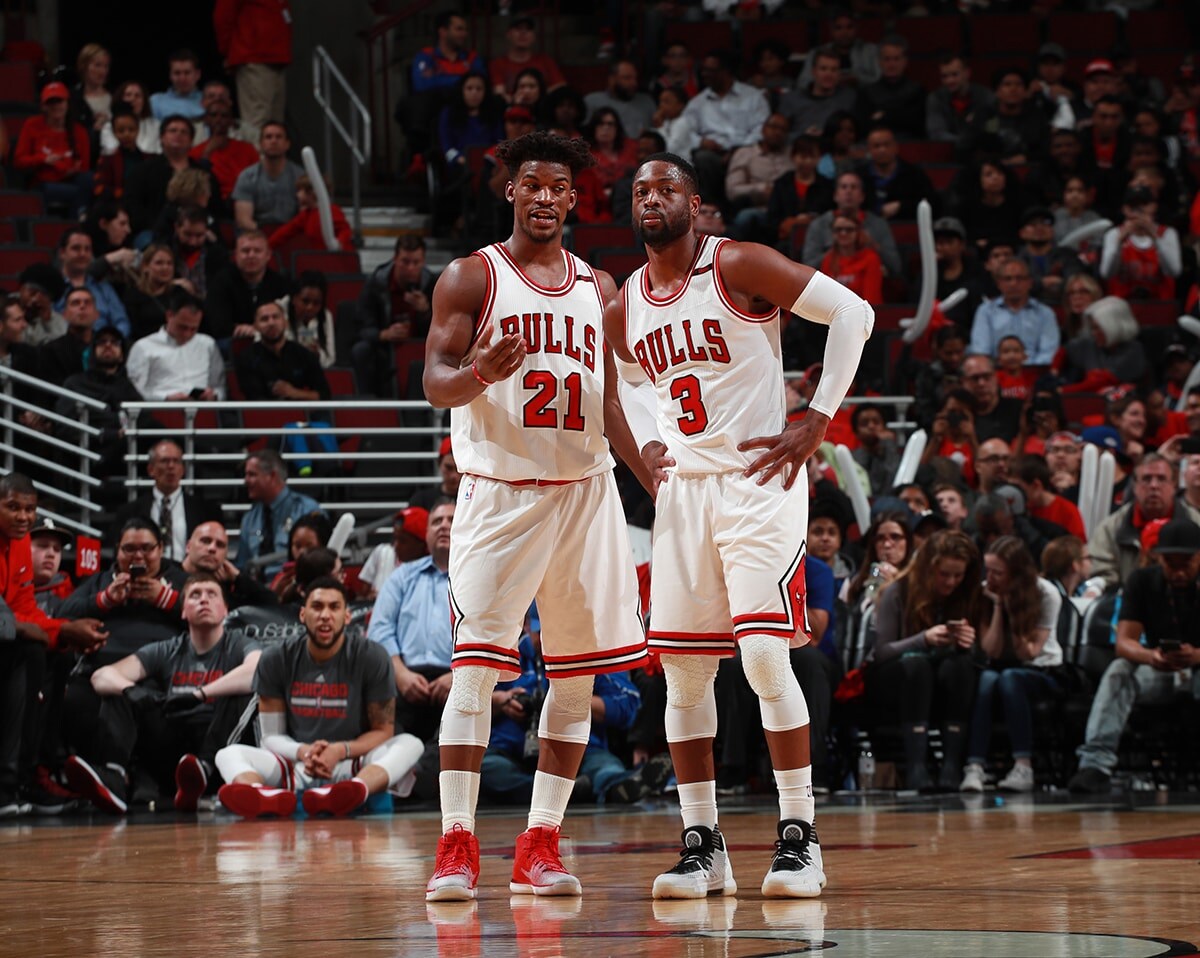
697	345
516	350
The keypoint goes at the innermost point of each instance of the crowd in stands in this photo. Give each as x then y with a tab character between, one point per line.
999	608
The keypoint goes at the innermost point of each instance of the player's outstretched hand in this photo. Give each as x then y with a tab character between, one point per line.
500	359
657	460
788	450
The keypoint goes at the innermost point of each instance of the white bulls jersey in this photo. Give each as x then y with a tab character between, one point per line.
546	421
716	370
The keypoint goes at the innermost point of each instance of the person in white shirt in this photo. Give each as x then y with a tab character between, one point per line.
726	114
178	362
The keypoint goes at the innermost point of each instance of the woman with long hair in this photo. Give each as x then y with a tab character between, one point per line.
1079	292
471	121
310	323
1125	411
91	100
991	202
134	95
887	548
1021	646
529	91
565	111
841	148
923	662
852	260
146	300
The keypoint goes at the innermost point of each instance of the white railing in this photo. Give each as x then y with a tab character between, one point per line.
21	456
357	138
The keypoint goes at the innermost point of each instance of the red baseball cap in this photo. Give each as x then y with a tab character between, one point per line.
1098	66
444	449
1150	533
55	91
414	520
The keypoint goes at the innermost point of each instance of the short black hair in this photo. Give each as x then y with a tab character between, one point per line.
177	118
859	409
443	19
543	147
72	231
191	214
17	483
183	55
689	172
409	241
179	298
140	522
948	334
325	582
657	137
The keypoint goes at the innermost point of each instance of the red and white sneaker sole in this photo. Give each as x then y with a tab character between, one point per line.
87	782
337	800
247	801
568	885
190	783
450	892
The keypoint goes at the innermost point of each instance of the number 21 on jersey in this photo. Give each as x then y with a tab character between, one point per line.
540	413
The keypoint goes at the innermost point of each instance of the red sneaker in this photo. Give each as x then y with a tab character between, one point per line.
337	800
456	871
190	782
537	867
255	801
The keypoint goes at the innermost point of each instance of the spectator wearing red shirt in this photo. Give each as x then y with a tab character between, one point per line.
615	156
255	40
114	168
1015	381
522	38
953	435
33	632
307	222
1141	258
226	156
1032	475
56	153
852	260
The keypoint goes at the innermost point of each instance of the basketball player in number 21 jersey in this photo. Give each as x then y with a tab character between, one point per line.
698	353
516	350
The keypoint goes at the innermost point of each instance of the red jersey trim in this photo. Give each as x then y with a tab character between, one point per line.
593	656
597	669
727	301
489	296
530	482
486	664
568	282
645	284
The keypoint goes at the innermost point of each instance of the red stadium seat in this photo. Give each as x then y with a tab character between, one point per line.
1081	406
8	231
619	262
1003	33
1082	31
941	175
701	35
587	237
254	418
233	388
1157	29
904	232
342	289
586	78
13	259
27	51
17	82
361	418
341	381
47	233
1156	312
14	203
931	34
927	151
888	316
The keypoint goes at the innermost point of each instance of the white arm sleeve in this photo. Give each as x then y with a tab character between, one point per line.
850	320
272	730
638	402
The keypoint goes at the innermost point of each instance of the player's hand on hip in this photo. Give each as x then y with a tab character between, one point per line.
786	452
500	359
658	461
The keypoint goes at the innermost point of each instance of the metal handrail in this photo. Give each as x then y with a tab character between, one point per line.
26	380
357	138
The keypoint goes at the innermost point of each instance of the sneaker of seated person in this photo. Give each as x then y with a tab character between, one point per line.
191	781
102	785
337	800
972	780
255	801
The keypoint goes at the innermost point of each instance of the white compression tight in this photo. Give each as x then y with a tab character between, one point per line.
567	712
691	701
768	669
467	718
396	757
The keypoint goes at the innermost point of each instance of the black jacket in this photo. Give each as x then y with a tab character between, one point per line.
231	302
196	509
375	305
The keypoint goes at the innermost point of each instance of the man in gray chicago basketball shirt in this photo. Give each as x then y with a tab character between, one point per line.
326	707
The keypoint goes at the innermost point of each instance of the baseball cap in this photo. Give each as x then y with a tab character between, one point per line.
949	225
1033	213
1065	436
1013	496
1106	437
518	113
1178	537
109	332
414	520
1051	51
55	91
46	527
44	277
1099	65
445	448
1150	533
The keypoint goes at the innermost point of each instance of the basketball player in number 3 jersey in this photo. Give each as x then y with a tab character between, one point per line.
516	350
702	388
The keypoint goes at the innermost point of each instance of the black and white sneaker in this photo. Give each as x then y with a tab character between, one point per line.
797	870
703	867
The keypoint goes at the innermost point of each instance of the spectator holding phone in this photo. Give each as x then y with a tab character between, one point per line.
1021	644
922	664
1157	622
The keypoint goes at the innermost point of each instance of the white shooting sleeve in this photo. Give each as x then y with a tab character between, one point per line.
638	401
850	320
272	729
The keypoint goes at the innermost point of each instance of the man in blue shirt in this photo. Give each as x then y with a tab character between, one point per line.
183	96
78	263
267	527
411	620
442	65
1015	313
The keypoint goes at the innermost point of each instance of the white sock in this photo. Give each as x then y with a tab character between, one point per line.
795	794
698	803
460	792
550	796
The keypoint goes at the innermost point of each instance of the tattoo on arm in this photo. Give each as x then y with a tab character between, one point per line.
382	715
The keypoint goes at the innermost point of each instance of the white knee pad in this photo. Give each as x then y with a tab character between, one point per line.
467	718
567	712
691	700
768	669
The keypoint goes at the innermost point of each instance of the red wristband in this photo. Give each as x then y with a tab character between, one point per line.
475	371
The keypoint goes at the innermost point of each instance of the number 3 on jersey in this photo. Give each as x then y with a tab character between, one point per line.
540	414
686	391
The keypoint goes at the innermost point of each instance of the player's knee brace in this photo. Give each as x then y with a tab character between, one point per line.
467	719
567	712
691	701
396	756
768	669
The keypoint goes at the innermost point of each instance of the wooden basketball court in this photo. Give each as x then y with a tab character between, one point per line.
984	876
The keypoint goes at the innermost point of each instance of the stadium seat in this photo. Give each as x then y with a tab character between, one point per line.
343	289
13	259
701	35
17	82
254	418
1003	33
8	231
586	77
931	35
1156	312
1082	31
927	151
620	263
26	51
941	175
325	261
14	203
47	233
1157	30
341	381
1081	406
587	237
